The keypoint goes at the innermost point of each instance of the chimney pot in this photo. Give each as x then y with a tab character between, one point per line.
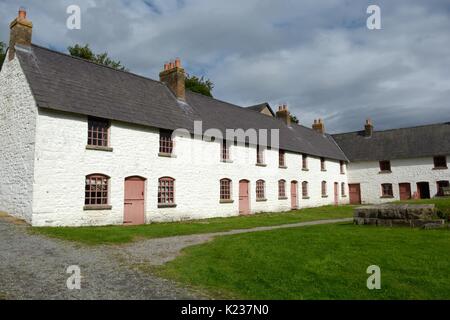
368	128
174	77
22	13
284	114
319	126
21	32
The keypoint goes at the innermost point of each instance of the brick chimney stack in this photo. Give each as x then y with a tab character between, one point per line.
368	128
319	126
174	77
21	32
284	114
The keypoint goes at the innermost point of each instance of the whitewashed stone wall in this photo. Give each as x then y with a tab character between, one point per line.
18	114
412	171
62	162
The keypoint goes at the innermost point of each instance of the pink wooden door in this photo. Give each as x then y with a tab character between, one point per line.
355	193
336	193
294	195
134	201
405	191
244	201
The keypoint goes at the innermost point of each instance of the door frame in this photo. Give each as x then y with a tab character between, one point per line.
336	193
400	190
294	206
143	179
248	197
350	194
419	192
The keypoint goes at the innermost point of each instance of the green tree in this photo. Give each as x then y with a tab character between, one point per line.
2	53
294	119
199	85
85	52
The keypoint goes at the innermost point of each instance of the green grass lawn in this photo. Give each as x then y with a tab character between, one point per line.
319	262
121	234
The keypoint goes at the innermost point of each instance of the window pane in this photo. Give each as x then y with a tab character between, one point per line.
165	142
96	190
98	132
166	194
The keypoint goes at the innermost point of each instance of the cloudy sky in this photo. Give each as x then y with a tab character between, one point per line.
316	56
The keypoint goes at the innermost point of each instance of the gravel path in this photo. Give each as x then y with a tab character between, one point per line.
34	267
159	251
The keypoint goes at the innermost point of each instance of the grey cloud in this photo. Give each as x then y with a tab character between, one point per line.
317	56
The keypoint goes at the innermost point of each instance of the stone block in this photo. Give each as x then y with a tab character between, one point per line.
401	223
384	223
358	221
370	221
436	224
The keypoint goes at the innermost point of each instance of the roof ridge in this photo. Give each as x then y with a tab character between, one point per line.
305	127
394	129
163	112
238	107
253	112
97	64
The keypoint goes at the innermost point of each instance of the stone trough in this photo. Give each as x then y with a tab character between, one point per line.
409	215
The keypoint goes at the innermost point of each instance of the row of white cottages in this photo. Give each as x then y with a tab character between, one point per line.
83	144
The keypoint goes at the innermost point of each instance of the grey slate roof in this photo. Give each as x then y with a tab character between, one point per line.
422	141
260	107
64	83
223	115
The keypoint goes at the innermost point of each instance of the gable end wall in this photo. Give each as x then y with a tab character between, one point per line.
18	114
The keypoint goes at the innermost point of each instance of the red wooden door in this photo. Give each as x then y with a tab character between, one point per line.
134	201
405	191
244	201
336	194
355	193
294	193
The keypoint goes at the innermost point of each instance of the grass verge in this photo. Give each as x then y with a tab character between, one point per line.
120	234
319	262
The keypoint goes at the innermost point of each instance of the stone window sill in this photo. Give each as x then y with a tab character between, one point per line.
166	155
97	207
283	167
343	195
282	198
440	168
226	201
385	172
226	161
172	205
324	196
261	200
387	197
306	198
305	169
99	148
323	170
261	165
